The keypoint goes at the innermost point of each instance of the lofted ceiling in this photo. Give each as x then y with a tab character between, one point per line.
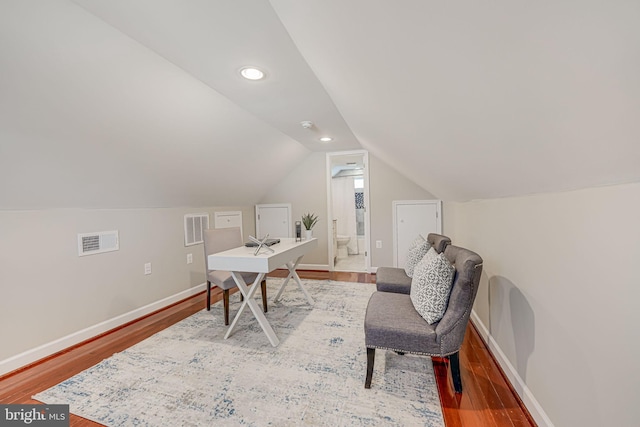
138	103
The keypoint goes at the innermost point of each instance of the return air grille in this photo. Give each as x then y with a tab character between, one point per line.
90	244
194	225
98	242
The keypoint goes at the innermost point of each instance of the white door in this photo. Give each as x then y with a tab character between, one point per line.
410	218
273	219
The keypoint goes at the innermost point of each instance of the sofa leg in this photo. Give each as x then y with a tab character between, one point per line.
371	355
208	295
454	364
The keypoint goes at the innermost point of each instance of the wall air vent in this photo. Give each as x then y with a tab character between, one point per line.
97	243
194	224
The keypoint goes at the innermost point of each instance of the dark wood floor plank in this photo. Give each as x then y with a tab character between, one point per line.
501	390
487	399
483	395
448	400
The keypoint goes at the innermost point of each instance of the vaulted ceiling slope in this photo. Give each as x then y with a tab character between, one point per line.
139	103
475	99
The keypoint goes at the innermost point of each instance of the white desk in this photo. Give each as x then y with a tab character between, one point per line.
288	253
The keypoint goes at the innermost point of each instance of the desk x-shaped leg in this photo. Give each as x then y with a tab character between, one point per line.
253	305
294	275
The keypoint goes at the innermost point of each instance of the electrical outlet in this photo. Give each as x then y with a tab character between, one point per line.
147	268
189	258
378	244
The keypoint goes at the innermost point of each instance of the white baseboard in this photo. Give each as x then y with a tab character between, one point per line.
35	354
516	381
318	267
323	267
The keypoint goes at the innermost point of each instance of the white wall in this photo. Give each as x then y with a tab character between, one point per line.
387	185
559	297
306	189
48	292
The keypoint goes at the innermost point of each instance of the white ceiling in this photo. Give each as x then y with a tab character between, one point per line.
138	103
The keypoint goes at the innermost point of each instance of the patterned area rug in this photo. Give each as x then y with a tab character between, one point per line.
188	375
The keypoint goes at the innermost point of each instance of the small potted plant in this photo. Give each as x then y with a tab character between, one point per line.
309	220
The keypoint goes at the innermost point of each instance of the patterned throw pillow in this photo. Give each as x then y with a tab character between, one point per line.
417	241
431	286
430	255
414	256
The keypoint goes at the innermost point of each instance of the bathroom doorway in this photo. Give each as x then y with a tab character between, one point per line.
348	211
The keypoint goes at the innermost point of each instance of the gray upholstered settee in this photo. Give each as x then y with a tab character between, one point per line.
394	279
392	323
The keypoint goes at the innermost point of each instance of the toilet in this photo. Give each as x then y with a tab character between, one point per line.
342	241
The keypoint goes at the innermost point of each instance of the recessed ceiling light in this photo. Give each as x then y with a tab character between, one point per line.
252	73
326	139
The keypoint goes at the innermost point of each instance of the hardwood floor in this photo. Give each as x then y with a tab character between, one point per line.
487	398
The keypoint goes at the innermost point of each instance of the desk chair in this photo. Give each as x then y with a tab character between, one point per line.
219	240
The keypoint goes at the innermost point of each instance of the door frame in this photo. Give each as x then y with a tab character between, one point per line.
367	219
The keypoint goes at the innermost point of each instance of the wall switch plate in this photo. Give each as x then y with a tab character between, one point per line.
147	268
189	258
378	244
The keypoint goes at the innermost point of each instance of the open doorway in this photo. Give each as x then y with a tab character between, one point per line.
348	210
